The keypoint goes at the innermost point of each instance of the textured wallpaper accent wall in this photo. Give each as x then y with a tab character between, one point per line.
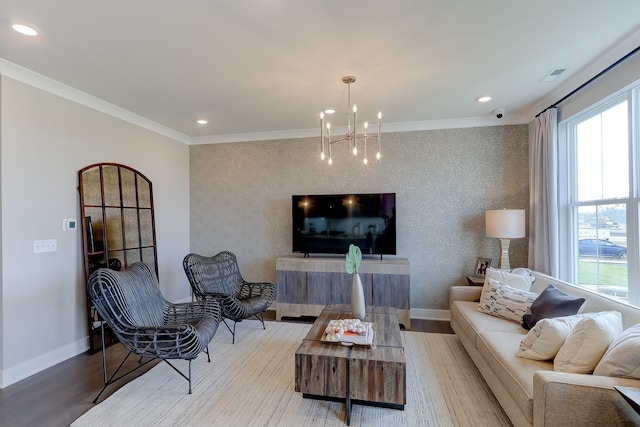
444	179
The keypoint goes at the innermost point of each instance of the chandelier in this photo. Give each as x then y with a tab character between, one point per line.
352	137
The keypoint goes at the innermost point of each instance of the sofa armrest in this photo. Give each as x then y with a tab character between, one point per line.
564	399
465	293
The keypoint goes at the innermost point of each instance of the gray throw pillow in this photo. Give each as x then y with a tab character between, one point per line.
552	302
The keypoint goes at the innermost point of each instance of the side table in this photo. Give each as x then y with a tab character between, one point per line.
631	395
475	280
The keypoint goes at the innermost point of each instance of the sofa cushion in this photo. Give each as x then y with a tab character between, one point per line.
504	301
545	339
519	278
587	342
471	321
552	302
622	358
515	373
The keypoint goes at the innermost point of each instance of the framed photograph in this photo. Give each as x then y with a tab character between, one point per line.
481	266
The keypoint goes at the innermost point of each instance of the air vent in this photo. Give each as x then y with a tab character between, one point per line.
553	74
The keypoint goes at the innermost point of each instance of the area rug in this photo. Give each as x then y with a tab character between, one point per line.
251	383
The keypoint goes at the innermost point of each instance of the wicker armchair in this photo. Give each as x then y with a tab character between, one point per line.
218	277
131	304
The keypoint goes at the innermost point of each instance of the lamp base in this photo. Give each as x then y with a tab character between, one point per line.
504	254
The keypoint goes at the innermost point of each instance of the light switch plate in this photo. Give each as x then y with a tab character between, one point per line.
40	246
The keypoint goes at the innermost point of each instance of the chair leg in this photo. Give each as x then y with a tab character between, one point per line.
188	378
260	317
110	380
233	331
233	340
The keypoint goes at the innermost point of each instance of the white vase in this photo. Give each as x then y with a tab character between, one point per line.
357	298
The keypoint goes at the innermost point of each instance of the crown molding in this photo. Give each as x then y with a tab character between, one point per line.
31	78
386	128
47	84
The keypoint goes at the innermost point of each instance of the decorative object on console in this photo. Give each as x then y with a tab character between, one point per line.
353	259
505	224
352	135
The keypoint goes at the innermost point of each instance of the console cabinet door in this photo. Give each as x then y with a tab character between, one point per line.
391	290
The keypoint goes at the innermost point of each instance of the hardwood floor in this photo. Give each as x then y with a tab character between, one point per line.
60	394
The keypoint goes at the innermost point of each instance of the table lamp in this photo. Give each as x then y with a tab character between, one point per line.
504	224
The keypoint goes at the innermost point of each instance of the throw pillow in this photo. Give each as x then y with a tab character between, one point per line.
504	301
519	278
622	358
552	302
545	339
587	342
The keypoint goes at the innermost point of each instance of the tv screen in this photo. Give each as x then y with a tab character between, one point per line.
328	224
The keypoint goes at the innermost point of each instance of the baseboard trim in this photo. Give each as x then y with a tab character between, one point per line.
430	314
38	364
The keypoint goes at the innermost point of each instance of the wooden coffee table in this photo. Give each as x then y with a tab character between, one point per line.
357	374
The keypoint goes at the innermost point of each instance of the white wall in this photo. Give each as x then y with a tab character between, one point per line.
44	140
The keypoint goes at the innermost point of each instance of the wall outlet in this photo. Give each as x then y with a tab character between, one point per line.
40	246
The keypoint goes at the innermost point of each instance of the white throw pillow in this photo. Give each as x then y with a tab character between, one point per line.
587	342
519	278
622	358
545	339
503	301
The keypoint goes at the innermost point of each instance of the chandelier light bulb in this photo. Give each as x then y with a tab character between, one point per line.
352	138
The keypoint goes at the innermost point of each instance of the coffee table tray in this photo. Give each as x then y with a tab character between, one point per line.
350	338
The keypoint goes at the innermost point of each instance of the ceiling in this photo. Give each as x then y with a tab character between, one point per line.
259	69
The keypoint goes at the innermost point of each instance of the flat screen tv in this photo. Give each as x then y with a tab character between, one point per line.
329	223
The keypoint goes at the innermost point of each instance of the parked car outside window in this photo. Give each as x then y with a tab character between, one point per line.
601	247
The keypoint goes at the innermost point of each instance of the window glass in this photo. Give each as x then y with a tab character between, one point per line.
602	249
598	148
602	146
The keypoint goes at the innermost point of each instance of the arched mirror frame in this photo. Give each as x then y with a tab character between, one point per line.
118	227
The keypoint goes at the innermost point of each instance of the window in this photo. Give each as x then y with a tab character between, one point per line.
601	206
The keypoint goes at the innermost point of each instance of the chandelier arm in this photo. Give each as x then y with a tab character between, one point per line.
351	135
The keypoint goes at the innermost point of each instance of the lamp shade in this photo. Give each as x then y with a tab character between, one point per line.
505	223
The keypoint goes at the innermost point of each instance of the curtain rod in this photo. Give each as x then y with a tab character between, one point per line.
606	70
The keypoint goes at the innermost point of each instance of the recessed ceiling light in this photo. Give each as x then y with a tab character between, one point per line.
329	111
23	29
483	99
202	122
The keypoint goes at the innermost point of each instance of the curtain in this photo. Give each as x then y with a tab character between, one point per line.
543	201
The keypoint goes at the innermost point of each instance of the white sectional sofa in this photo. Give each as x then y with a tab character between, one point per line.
530	391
